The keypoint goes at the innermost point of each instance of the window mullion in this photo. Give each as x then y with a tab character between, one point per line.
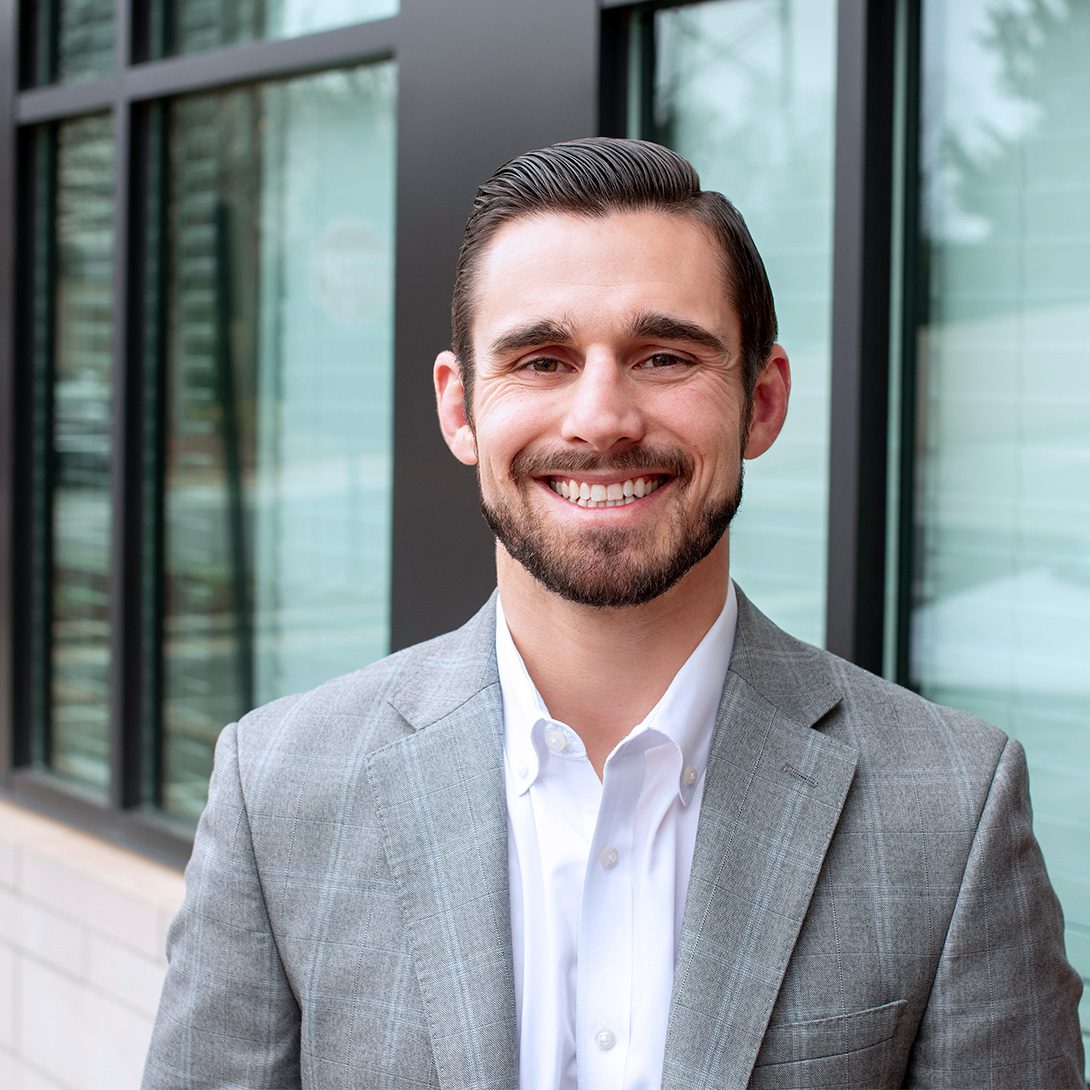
125	543
858	431
8	409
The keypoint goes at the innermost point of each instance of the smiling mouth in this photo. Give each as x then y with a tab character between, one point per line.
615	494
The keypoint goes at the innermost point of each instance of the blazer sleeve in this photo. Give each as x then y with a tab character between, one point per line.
227	1017
1003	1007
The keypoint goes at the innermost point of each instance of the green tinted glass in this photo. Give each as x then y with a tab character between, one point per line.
72	427
744	90
1002	620
188	26
272	364
75	39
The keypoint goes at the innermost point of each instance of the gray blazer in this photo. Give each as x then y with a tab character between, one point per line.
868	906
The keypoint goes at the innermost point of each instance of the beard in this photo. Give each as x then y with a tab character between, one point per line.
612	566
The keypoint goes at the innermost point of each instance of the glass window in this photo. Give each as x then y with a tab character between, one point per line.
75	39
1001	623
744	90
72	407
188	26
272	365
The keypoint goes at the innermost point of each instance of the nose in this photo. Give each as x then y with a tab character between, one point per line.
603	408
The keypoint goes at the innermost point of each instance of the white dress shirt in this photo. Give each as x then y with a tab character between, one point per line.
599	870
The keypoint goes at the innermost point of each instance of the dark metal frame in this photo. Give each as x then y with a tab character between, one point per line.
10	746
36	336
913	300
478	81
858	434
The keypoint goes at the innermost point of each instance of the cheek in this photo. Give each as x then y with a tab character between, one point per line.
708	422
506	426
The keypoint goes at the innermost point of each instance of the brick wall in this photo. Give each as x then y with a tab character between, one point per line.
82	933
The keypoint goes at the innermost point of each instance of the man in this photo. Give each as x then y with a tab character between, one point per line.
568	844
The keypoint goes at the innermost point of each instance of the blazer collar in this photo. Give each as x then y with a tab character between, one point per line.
439	800
773	795
450	670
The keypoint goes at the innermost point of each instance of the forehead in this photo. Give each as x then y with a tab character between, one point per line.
590	270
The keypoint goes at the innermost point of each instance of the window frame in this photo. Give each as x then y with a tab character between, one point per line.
549	61
436	49
867	35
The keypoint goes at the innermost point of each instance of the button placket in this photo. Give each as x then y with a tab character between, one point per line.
605	957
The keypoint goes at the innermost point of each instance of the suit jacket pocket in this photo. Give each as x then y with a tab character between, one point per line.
847	1050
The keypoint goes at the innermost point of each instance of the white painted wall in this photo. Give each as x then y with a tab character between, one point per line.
82	933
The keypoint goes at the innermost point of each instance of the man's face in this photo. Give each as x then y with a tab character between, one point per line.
609	417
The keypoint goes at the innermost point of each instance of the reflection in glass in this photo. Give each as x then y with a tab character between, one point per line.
72	362
75	39
744	90
1002	618
188	26
277	267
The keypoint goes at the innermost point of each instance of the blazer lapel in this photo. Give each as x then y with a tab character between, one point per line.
773	794
439	794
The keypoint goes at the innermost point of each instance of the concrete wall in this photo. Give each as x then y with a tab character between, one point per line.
82	933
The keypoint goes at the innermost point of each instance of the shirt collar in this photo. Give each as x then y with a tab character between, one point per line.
523	709
685	714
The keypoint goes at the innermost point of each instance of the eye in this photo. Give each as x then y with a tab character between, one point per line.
542	365
663	359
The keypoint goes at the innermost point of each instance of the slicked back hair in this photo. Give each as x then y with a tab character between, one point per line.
598	176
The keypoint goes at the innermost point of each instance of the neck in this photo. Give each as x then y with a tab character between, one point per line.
602	670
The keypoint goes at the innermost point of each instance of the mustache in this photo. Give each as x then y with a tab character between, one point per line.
633	459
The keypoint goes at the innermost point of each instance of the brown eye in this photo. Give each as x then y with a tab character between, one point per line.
543	365
662	359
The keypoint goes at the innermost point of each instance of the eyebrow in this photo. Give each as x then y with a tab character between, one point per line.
663	327
645	325
528	336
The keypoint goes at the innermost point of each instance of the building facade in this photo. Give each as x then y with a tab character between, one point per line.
227	239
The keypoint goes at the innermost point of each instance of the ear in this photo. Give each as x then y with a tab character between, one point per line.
770	397
450	403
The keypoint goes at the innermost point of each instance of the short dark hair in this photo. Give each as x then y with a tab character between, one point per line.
598	176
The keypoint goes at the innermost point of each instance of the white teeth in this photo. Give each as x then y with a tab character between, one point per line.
602	495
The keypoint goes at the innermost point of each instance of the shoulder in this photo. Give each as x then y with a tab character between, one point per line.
894	731
924	777
376	704
900	732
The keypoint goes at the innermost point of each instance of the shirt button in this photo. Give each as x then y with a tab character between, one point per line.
608	859
555	740
691	775
605	1039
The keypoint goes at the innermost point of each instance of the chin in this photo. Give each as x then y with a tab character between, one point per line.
606	568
